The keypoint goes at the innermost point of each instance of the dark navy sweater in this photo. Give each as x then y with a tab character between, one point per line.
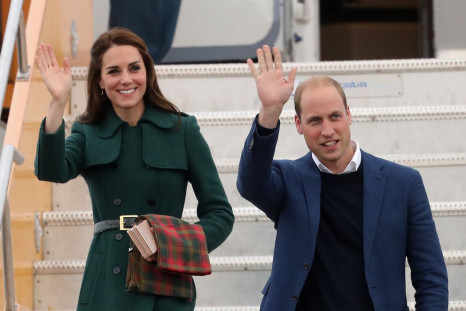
336	281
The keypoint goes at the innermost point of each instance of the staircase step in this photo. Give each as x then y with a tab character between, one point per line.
396	130
404	130
77	226
243	277
399	99
389	83
242	214
453	306
250	222
438	172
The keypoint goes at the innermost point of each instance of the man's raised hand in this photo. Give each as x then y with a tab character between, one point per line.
273	88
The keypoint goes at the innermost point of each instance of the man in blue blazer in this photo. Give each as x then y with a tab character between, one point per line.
346	220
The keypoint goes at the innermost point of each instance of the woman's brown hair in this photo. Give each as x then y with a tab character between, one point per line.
97	102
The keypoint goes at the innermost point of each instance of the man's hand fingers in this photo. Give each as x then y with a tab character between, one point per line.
292	76
261	60
268	57
253	69
277	57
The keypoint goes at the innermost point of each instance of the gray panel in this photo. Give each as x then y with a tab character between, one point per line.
225	53
449	24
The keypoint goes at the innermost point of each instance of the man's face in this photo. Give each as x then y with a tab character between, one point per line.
325	124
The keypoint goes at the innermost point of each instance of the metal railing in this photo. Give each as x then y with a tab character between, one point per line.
9	155
14	32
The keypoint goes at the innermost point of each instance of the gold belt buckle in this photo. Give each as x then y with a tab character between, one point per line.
122	221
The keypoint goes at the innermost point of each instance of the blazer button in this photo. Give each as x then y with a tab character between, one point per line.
151	202
306	266
295	298
117	202
118	236
251	145
116	270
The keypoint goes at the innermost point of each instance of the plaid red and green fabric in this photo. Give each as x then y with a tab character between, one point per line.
181	253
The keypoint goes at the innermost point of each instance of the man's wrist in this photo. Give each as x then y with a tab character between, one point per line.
268	118
263	131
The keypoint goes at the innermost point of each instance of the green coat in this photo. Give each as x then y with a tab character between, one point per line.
135	170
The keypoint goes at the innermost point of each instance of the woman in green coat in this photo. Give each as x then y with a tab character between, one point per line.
137	153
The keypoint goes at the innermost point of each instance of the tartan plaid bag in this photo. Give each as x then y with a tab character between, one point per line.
181	253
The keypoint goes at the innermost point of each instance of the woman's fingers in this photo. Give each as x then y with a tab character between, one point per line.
51	55
47	58
39	64
66	66
40	58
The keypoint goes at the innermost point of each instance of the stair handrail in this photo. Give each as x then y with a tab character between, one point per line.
23	66
14	32
9	155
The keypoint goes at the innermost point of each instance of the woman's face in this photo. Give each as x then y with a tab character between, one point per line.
123	76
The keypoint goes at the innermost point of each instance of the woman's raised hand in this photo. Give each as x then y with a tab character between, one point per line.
273	88
58	82
57	79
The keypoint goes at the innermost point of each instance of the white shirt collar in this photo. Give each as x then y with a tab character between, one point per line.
350	168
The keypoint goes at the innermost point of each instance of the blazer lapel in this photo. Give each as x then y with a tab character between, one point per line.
312	185
374	188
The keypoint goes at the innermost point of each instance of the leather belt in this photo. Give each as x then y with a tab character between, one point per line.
124	223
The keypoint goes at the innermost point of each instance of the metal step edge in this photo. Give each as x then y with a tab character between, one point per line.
452	306
313	68
242	214
385	114
230	263
243	263
81	218
411	160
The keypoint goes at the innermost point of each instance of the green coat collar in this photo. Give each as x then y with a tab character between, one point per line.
111	122
163	144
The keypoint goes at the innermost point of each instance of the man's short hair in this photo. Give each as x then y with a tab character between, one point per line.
313	83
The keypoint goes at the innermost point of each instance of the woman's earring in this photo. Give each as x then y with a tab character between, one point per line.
102	91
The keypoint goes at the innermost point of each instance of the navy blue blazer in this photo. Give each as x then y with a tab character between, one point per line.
397	224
